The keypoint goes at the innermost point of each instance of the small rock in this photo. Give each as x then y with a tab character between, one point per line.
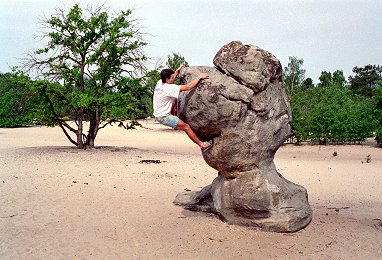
368	158
150	161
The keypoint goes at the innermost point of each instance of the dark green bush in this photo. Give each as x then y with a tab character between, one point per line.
16	100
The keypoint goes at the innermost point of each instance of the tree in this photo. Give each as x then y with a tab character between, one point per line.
12	104
18	104
377	111
330	113
307	83
146	101
301	104
339	78
174	61
365	79
328	79
325	79
98	60
294	75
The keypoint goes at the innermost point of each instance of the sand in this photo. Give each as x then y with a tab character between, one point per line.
58	202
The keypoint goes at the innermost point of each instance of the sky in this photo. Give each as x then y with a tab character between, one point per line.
328	35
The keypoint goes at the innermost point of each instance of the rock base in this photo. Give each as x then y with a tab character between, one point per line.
269	203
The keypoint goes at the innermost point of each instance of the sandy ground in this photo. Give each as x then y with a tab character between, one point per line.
58	202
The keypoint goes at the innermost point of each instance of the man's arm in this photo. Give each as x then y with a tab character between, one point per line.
194	82
176	72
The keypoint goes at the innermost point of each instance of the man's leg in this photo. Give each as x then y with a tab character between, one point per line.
174	107
186	128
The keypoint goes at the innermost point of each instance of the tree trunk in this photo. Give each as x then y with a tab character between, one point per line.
80	142
93	127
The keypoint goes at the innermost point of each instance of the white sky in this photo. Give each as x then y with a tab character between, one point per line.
327	34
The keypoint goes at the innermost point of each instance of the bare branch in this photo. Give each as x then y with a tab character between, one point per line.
121	124
67	135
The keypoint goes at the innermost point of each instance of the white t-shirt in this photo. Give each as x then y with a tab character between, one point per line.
164	95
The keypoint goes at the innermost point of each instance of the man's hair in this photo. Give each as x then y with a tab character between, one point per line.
166	74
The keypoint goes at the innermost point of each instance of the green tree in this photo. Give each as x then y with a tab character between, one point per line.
301	104
174	61
18	103
150	81
339	78
325	79
330	113
365	79
11	109
307	83
377	111
294	74
328	79
98	60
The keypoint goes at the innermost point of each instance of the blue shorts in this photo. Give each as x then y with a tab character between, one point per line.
168	120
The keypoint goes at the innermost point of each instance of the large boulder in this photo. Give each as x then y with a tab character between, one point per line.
243	109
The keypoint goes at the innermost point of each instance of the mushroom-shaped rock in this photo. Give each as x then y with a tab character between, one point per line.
243	109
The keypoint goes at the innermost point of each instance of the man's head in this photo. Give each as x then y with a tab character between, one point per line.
167	76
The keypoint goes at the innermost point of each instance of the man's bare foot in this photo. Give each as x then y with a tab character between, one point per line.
205	146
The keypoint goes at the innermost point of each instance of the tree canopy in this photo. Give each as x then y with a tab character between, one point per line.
294	74
327	79
174	61
330	112
16	100
98	60
365	79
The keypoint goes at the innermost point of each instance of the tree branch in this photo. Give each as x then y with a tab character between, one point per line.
121	124
66	133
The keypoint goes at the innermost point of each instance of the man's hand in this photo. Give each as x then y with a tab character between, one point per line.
194	82
180	67
176	72
203	76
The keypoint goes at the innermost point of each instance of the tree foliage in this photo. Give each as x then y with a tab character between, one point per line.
365	79
11	107
307	83
18	104
327	79
174	61
150	80
98	60
377	111
330	112
294	74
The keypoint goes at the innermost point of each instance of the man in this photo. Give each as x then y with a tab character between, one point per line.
165	96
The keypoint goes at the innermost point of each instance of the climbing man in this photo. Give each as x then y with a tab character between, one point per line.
165	98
